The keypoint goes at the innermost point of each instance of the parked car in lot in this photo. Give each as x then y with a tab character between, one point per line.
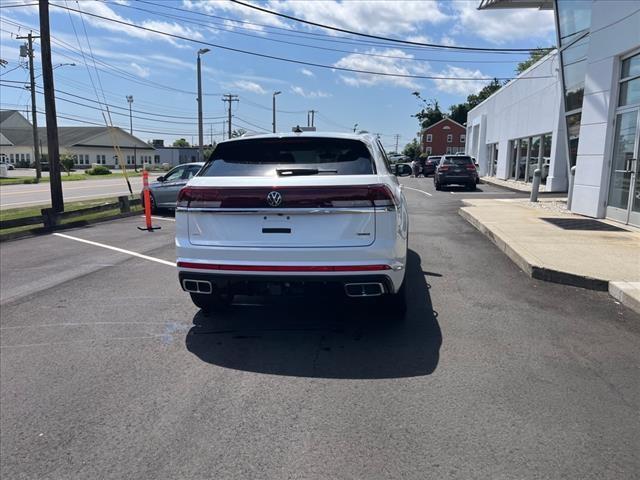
456	170
430	165
8	165
163	192
295	212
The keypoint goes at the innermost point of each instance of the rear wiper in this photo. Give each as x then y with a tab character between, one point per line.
285	172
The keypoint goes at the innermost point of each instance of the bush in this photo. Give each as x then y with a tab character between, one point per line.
98	170
67	163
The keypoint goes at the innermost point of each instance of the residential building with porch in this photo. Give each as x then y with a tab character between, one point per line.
87	145
444	137
577	107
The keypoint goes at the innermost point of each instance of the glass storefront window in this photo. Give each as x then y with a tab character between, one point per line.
546	157
631	67
574	17
630	81
573	131
532	162
522	160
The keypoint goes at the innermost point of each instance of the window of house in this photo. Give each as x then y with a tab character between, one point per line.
11	157
22	157
449	151
429	150
449	138
156	159
429	138
463	137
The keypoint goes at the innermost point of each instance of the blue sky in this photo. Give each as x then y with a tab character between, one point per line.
160	71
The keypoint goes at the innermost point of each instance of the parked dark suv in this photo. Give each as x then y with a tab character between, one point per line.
455	169
430	165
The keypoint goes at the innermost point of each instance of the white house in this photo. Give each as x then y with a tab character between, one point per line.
579	106
87	145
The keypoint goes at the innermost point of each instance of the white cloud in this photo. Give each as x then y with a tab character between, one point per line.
307	72
447	40
309	93
399	66
506	25
247	86
461	87
143	72
381	18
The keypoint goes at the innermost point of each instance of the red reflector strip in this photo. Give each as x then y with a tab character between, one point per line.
284	268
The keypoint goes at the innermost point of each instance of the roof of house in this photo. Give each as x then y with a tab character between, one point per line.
67	136
443	120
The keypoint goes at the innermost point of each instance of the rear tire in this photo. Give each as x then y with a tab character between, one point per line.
213	302
438	186
472	186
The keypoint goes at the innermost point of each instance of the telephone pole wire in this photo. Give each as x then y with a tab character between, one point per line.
34	117
53	147
230	98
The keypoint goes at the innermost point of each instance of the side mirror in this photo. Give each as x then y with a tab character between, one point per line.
160	179
403	170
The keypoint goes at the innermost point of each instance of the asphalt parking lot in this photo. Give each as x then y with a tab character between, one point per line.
108	371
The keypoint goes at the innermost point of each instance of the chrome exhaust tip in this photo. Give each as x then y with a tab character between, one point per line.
371	289
197	286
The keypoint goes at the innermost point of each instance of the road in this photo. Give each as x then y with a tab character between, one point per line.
15	196
108	370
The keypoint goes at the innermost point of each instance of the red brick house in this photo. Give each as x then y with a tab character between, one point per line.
445	136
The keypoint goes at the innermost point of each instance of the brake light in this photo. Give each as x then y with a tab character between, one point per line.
471	166
443	168
347	196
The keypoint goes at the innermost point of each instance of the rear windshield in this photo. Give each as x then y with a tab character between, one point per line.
289	156
457	160
432	159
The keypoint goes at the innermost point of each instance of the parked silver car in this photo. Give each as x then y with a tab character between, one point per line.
164	191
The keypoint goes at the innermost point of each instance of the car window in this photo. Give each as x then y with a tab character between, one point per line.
174	174
457	160
385	158
265	156
191	171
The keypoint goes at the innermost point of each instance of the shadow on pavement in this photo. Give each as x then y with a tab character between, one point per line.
324	338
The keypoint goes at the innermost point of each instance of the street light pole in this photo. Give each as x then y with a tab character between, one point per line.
202	51
135	153
274	109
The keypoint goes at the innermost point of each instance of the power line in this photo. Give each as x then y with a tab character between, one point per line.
283	59
232	30
387	39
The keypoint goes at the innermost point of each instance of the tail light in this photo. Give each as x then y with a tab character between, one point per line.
443	168
471	166
348	196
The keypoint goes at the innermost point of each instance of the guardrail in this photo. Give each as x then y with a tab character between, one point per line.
50	219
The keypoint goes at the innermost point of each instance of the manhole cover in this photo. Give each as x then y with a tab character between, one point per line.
583	224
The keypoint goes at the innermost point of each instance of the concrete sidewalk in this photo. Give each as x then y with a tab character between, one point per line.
594	259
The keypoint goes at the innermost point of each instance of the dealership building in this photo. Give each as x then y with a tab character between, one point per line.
579	106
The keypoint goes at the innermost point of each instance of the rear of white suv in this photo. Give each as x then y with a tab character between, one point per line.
297	212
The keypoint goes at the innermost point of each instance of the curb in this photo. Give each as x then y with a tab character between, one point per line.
621	292
513	189
536	271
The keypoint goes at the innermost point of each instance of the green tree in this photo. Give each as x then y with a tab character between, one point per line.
459	112
412	150
181	142
67	163
429	113
238	133
534	56
476	99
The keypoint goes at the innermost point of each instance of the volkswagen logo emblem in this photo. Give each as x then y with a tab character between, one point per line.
274	199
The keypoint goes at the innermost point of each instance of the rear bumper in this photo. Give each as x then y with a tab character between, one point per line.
254	284
458	179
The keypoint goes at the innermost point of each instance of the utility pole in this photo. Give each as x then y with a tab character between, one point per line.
34	117
211	134
274	109
202	51
312	112
53	147
355	126
230	98
397	135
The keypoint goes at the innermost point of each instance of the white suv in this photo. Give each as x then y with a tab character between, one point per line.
293	212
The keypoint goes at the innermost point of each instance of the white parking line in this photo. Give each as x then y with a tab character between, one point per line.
482	193
116	249
421	191
168	219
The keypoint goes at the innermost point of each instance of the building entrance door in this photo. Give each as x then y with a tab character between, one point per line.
624	185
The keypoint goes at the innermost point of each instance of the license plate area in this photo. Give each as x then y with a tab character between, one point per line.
317	228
